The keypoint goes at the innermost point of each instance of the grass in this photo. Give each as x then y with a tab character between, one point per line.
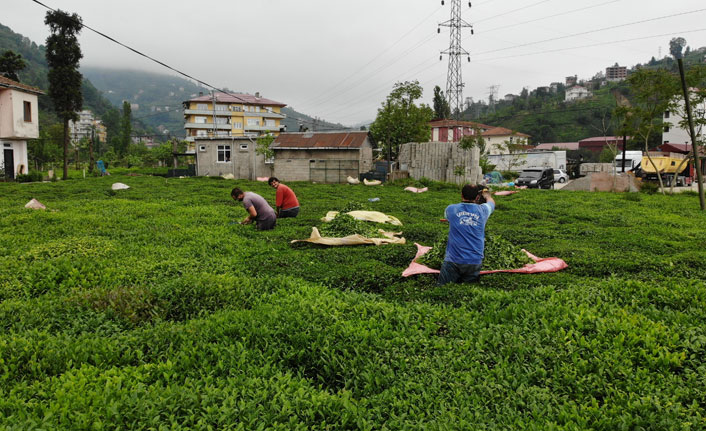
148	309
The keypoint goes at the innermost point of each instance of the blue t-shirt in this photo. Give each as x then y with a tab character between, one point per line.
467	232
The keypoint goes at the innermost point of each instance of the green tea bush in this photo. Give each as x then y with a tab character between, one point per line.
148	309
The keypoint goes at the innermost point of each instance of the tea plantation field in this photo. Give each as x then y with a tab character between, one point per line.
146	309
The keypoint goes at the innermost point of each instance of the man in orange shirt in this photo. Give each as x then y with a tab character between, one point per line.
285	199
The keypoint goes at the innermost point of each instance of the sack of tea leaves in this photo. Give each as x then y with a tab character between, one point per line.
499	254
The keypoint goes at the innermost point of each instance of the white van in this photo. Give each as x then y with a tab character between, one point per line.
632	160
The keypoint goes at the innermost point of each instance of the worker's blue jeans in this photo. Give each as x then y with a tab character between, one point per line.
458	273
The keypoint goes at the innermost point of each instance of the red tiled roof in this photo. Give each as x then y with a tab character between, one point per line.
560	145
457	123
247	99
9	83
502	131
320	140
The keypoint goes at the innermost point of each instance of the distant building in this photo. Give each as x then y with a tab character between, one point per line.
674	133
510	97
555	86
227	115
497	138
616	73
454	130
577	92
598	143
571	80
86	127
19	121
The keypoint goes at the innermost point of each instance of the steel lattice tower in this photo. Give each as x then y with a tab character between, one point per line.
454	83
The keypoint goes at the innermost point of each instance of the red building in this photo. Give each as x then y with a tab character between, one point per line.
598	143
454	130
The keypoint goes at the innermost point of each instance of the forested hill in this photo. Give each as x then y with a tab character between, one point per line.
548	118
159	98
35	74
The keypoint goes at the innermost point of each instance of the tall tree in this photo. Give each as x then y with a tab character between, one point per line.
11	64
125	130
442	110
676	45
400	120
63	54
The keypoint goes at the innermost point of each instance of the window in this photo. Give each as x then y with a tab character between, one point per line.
200	120
270	123
666	129
201	133
243	147
221	107
202	106
224	153
253	121
28	112
238	125
666	114
222	120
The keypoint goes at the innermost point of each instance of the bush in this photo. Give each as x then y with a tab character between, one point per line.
649	187
31	177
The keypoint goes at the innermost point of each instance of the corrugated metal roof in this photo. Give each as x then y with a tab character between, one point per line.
502	131
320	140
458	123
560	145
9	83
247	99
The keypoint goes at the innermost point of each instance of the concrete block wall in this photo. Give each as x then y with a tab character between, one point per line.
438	161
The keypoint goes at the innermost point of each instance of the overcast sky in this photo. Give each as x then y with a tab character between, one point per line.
338	60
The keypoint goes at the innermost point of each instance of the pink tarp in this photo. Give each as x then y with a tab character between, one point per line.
505	192
416	190
549	264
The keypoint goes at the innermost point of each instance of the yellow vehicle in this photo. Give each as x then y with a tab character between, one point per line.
666	165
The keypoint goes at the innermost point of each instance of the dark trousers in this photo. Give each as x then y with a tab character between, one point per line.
266	224
289	212
458	273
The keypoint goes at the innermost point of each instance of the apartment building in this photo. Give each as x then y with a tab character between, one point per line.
19	121
616	73
86	127
224	115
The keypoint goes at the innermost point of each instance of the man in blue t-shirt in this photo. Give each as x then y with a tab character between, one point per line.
464	250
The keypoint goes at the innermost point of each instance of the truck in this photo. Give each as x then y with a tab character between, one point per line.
665	166
633	159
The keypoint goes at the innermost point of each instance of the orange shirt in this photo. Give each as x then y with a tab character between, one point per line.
285	198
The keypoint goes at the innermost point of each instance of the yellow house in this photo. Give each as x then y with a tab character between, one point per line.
220	115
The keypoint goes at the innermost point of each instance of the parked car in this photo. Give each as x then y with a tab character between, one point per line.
560	176
536	178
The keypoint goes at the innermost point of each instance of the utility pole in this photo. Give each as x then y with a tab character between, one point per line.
454	83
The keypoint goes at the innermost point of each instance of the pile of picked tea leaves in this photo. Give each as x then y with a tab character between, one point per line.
499	254
345	225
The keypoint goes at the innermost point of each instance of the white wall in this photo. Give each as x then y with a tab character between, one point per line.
677	135
12	121
19	150
519	161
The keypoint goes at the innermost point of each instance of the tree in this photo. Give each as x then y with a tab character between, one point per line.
263	147
676	45
653	93
123	142
476	140
442	110
400	121
63	53
11	64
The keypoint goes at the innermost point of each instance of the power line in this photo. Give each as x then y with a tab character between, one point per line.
161	63
597	44
511	11
591	31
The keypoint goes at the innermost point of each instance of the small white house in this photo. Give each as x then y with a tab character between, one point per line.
577	92
19	121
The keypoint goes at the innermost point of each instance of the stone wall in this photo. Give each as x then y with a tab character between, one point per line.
438	161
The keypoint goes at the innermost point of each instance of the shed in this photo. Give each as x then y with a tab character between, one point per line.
323	157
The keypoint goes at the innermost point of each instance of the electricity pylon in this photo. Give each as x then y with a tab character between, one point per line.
454	83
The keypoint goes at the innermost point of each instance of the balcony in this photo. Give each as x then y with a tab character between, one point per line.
264	114
207	112
264	128
207	126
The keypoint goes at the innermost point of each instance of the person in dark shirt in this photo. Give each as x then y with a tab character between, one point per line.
258	209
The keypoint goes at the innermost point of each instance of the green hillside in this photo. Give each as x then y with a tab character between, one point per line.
548	118
35	74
